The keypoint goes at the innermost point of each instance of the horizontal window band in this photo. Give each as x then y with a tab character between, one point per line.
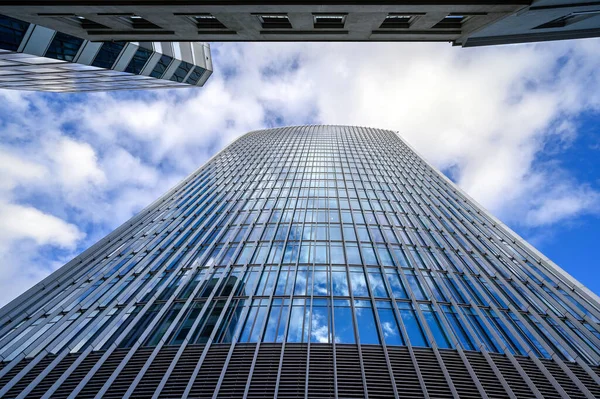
415	32
303	32
130	32
216	32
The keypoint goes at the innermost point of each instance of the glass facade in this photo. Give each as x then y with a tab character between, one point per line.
34	58
309	237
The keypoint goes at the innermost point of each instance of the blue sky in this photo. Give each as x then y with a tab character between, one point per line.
514	126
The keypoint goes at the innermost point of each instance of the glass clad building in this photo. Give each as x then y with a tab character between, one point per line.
305	262
33	57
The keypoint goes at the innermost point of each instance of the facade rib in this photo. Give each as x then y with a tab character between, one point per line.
313	261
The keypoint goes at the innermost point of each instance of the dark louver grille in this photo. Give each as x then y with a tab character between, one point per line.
258	370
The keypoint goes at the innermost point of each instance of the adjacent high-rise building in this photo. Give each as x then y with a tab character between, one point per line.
305	262
462	22
34	57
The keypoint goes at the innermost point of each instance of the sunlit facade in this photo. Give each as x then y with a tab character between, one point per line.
302	262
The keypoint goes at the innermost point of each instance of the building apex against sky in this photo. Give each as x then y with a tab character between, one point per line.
466	23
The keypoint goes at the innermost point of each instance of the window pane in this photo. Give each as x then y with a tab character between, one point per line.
358	282
436	328
340	282
377	284
296	322
389	325
367	330
320	282
344	329
320	322
412	324
464	337
396	284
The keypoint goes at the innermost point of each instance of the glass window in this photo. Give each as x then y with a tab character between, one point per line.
230	283
195	76
140	327
339	281
231	321
482	332
254	321
396	285
337	254
412	324
306	253
335	232
527	336
415	286
138	61
161	67
352	254
249	281
63	47
108	54
260	256
367	329
548	338
207	324
570	341
344	326
181	277
384	256
300	316
502	331
433	286
320	330
321	252
245	254
377	284
401	260
435	326
594	348
321	281
303	280
267	281
363	233
160	329
11	32
349	234
185	324
291	253
285	281
181	71
369	254
463	335
123	323
277	321
358	282
389	324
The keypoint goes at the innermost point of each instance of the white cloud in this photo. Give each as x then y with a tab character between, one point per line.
75	163
23	232
16	170
486	113
21	222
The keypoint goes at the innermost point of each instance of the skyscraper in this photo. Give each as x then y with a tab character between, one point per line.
33	57
313	261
